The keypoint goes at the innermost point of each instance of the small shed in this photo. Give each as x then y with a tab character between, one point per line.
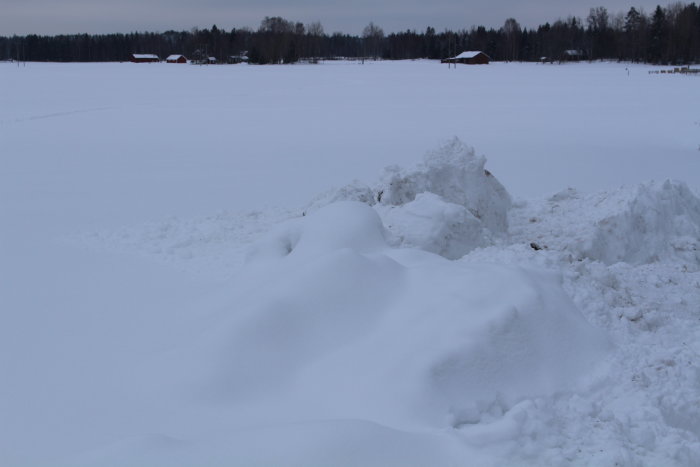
470	57
176	59
144	58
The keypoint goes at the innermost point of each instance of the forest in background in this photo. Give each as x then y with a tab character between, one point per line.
668	35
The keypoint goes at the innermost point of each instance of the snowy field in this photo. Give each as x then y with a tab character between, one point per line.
310	265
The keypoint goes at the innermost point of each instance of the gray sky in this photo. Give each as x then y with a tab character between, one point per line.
349	16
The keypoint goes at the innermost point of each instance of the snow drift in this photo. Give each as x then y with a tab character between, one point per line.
652	222
361	330
331	333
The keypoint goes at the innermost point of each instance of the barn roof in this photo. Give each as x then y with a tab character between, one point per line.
470	54
145	56
174	57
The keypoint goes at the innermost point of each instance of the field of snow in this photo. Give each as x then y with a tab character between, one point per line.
346	264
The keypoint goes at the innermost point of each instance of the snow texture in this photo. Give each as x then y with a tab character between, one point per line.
448	204
648	223
432	224
487	336
456	174
437	324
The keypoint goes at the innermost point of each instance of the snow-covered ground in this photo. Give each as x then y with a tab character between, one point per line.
301	265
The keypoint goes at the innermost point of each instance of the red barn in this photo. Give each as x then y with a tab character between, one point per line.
473	57
176	59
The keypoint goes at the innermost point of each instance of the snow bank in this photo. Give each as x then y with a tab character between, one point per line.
648	223
353	329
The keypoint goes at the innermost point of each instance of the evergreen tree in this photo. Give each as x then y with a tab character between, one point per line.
657	37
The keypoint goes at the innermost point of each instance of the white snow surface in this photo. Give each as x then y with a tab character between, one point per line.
195	301
432	224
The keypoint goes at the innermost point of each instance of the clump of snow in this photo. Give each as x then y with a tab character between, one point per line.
455	173
658	222
648	223
448	204
435	225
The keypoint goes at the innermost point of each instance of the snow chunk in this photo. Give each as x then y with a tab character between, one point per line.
647	223
432	224
658	222
455	173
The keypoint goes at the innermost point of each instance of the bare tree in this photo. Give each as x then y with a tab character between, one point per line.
315	29
598	19
315	35
373	36
511	32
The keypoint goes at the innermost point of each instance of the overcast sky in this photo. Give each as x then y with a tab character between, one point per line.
349	16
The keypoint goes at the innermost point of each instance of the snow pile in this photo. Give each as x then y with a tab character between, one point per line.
457	175
649	223
448	204
332	341
361	330
660	222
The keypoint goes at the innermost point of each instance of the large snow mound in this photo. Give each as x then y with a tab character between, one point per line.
358	329
448	204
652	222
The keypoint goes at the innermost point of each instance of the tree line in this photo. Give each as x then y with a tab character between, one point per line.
668	35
